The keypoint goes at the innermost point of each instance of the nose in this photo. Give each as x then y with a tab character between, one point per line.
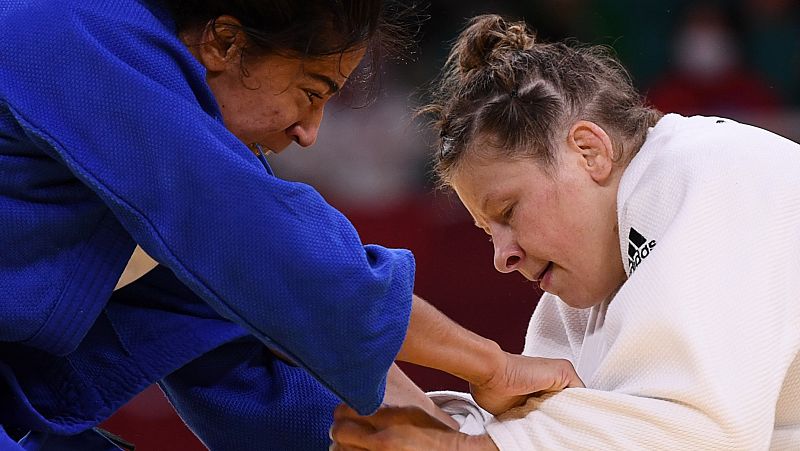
304	132
507	254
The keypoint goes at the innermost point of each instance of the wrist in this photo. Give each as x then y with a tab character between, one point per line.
435	341
483	362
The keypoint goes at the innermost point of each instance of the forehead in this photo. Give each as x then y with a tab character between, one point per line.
481	181
330	70
337	64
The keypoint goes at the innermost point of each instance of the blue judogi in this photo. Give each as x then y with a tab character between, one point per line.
109	137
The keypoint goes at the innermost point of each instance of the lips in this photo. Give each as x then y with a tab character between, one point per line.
541	274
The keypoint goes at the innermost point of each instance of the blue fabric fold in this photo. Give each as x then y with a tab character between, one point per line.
226	385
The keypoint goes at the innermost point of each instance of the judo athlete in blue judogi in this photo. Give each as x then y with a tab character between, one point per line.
131	123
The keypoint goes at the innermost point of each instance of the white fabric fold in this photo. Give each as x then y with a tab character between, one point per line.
461	407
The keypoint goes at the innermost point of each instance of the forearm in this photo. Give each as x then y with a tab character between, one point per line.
435	341
402	391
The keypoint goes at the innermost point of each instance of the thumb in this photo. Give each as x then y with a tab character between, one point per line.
563	374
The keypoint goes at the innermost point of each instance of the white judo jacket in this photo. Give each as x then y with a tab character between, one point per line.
699	347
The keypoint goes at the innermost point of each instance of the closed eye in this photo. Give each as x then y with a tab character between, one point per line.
312	96
508	213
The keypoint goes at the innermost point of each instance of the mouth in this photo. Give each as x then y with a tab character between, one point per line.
543	272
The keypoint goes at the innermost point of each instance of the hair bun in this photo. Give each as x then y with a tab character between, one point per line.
487	37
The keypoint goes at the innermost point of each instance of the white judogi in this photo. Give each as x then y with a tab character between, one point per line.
699	348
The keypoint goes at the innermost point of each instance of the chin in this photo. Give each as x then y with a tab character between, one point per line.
588	300
580	300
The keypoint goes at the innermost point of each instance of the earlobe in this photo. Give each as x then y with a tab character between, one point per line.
594	146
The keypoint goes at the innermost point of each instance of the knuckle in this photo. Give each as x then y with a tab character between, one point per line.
342	411
335	431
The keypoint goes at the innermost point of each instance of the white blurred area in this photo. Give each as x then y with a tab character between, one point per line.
370	156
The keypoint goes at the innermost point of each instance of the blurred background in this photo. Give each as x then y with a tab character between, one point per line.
737	58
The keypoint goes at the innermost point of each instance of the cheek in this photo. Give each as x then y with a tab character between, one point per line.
271	117
546	227
259	113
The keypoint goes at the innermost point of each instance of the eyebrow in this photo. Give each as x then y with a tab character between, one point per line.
483	208
333	87
490	197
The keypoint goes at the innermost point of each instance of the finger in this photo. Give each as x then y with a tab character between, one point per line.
576	382
384	416
411	415
389	416
343	411
349	433
555	375
335	447
570	378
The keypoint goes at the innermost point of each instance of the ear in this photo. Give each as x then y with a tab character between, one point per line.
222	43
594	146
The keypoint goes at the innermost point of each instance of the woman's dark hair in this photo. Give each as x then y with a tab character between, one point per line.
312	28
500	85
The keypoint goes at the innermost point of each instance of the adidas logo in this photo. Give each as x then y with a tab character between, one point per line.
638	249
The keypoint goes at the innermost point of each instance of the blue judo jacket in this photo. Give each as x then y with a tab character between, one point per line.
109	137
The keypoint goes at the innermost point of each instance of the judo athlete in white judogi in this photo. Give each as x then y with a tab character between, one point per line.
699	347
671	274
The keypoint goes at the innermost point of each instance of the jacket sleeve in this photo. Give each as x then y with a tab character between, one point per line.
207	393
107	90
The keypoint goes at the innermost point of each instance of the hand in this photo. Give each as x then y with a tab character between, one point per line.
399	429
518	377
